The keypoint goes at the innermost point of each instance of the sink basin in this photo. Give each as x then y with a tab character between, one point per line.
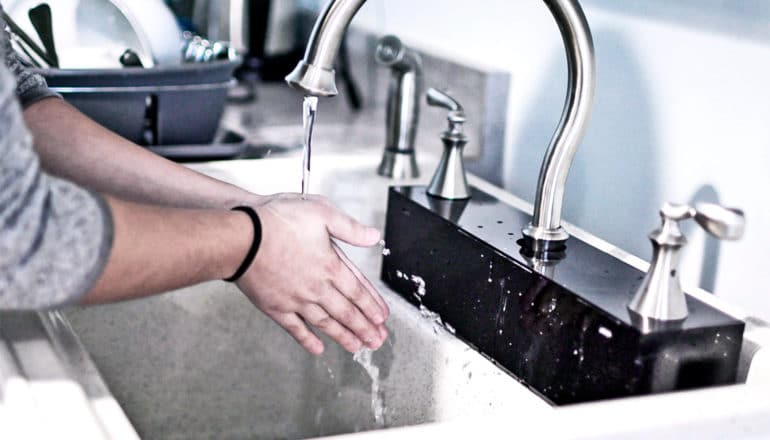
203	363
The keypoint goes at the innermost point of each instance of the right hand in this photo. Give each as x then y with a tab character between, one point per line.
300	276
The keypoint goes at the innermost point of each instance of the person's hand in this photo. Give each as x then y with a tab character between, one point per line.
300	276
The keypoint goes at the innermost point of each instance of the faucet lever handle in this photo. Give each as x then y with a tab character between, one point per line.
719	221
437	98
676	212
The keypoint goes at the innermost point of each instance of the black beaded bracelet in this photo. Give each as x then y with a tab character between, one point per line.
254	244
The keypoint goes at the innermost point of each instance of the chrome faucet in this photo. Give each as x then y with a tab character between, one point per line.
315	75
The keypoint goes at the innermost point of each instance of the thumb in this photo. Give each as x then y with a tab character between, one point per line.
343	227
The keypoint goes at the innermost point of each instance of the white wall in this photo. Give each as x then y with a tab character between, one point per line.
682	113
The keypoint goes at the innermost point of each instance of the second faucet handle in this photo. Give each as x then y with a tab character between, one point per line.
723	223
660	297
437	98
456	117
449	182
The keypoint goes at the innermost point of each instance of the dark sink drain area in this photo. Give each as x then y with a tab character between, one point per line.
561	327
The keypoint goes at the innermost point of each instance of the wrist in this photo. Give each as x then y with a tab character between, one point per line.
254	242
241	197
233	243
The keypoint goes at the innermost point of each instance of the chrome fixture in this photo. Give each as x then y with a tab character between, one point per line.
546	219
403	109
660	297
315	75
449	181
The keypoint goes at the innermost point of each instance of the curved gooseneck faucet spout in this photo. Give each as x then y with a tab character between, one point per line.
315	76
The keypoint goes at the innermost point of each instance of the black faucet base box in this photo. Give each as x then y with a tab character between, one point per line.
560	327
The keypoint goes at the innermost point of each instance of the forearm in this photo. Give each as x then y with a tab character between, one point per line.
73	147
157	249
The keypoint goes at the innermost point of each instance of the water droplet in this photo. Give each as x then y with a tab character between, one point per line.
604	331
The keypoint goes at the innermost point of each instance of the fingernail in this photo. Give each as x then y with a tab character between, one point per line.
383	333
373	233
374	342
357	344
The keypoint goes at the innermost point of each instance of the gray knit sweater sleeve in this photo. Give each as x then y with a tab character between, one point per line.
55	237
30	87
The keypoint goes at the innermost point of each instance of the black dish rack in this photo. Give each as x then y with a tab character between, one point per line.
165	105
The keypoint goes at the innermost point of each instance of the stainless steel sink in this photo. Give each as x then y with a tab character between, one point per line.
204	363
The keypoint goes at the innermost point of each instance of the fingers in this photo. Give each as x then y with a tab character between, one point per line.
347	314
364	282
316	316
294	325
332	294
345	228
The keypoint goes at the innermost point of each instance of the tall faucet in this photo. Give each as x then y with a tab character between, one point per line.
315	76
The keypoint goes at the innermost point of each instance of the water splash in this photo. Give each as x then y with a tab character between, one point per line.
418	294
383	246
364	358
420	284
309	109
